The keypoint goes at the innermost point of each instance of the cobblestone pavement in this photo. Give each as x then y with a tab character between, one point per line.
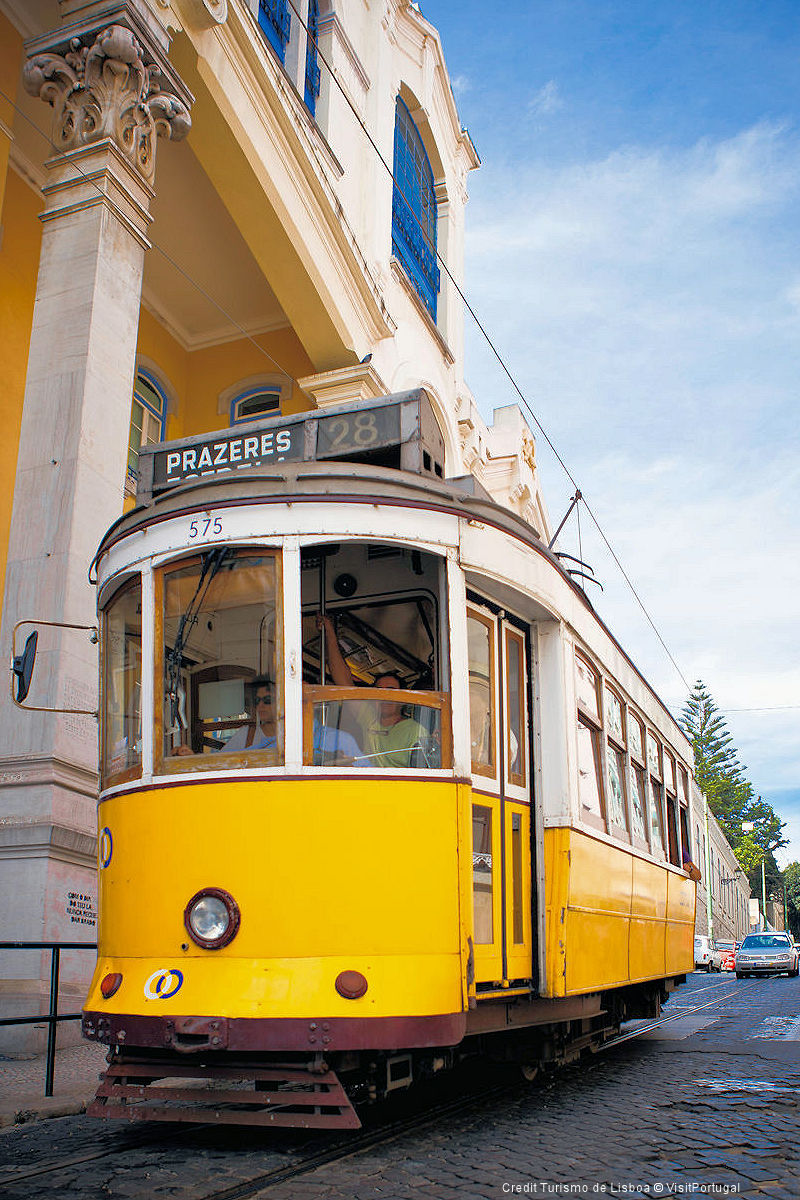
705	1105
22	1081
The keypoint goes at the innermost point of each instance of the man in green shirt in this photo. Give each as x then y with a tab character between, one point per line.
389	738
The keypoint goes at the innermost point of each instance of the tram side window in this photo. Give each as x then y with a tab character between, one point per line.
657	839
221	670
480	638
590	757
589	775
516	739
637	776
122	685
670	785
482	875
615	761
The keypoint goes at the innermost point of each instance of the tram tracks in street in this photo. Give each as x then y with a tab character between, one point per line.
357	1143
629	1035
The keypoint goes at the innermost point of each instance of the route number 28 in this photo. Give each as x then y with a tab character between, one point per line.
201	527
360	430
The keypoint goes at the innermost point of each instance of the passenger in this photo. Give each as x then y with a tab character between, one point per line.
335	747
690	868
261	732
389	737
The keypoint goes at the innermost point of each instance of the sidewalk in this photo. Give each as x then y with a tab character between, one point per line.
75	1081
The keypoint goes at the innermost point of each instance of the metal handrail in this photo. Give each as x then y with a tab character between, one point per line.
53	1017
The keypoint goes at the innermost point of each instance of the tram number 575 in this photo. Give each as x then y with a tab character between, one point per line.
202	527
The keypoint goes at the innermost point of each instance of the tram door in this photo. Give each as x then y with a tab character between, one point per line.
501	798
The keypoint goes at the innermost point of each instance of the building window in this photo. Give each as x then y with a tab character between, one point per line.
274	19
312	67
414	209
255	403
148	416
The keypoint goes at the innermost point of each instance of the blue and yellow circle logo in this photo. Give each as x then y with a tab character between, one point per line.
163	983
105	848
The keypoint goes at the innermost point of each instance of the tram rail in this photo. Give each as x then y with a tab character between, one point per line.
356	1143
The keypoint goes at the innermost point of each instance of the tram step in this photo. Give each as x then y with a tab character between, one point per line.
274	1096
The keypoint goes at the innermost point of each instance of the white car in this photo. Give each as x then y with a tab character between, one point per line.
706	955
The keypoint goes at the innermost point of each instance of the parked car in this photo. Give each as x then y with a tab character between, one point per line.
767	954
727	955
706	955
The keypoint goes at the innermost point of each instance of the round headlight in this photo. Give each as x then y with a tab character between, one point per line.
211	918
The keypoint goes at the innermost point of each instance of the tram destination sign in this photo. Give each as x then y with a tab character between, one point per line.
239	449
360	432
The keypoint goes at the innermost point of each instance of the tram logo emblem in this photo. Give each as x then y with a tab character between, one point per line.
105	847
163	983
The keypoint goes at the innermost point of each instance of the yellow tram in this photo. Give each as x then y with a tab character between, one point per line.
378	786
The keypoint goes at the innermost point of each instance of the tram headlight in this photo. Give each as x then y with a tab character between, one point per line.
212	918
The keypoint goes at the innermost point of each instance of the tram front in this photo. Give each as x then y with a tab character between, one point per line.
280	812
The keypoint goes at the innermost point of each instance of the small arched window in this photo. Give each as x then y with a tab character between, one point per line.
312	66
414	209
148	418
254	403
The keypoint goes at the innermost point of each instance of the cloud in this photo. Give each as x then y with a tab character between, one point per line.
546	101
647	303
460	84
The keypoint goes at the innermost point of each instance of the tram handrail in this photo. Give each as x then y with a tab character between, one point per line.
53	1016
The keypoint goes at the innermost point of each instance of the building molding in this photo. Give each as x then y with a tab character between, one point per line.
361	382
399	274
48	840
220	336
46	771
107	85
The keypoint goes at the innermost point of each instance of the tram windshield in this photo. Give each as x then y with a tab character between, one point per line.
375	689
221	638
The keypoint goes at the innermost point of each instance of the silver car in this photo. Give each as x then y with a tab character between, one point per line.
767	954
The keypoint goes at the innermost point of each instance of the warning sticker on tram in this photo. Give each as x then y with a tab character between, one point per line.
163	983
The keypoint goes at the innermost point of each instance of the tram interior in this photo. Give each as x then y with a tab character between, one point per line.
223	655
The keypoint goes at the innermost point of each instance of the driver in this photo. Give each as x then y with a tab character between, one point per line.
260	733
388	737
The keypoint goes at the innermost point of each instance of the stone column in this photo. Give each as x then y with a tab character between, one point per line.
112	92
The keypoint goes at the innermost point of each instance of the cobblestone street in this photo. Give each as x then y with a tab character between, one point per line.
706	1104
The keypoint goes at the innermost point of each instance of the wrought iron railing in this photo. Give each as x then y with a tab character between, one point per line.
53	1016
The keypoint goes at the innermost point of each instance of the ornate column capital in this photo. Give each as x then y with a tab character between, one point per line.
107	86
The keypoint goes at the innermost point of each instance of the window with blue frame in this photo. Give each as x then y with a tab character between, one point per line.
254	403
275	21
414	209
148	419
312	67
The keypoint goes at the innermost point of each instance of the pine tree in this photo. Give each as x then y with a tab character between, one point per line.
729	793
717	768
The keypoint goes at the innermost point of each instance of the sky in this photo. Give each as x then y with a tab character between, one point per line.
633	248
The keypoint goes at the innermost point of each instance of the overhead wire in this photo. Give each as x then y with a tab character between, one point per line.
459	291
505	368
